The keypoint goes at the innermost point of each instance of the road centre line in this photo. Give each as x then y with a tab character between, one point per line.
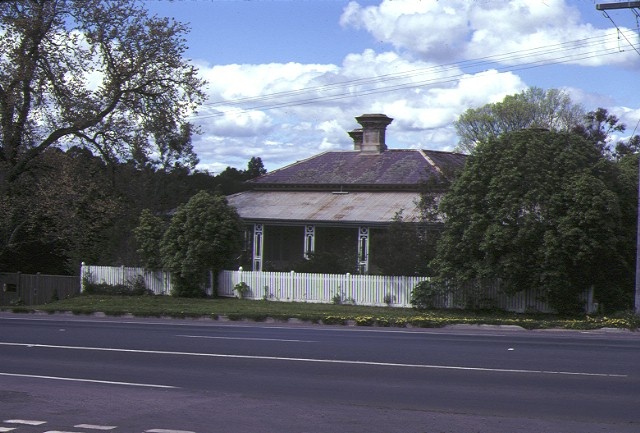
23	422
73	379
160	430
59	431
245	338
319	361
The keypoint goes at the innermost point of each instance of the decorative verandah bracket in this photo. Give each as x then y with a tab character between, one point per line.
363	250
309	241
258	246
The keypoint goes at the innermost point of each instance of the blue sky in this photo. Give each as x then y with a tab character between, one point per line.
286	78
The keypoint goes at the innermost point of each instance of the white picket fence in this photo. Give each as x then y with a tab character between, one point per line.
159	282
372	290
369	290
375	290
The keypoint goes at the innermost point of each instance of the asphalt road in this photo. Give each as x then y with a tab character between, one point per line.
90	374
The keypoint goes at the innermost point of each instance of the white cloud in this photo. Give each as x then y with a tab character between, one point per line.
423	97
512	32
284	112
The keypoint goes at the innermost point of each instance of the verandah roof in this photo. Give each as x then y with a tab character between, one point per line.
373	208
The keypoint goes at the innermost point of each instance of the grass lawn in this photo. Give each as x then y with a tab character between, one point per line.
241	309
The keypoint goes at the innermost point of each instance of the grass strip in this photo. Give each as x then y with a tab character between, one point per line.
242	309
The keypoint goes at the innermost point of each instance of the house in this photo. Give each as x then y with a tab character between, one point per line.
338	201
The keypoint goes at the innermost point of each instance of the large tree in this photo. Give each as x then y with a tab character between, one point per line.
97	74
541	210
535	107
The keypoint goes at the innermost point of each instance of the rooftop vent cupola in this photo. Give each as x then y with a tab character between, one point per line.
373	133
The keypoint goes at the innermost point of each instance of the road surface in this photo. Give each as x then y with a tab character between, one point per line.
86	374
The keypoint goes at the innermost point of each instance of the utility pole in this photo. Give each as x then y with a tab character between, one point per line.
636	305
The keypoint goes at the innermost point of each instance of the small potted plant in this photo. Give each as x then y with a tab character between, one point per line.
241	289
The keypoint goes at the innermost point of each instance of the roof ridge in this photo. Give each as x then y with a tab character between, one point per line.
430	161
450	152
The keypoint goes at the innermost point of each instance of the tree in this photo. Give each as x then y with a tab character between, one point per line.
255	168
204	235
103	74
540	211
402	249
149	235
60	215
231	180
549	109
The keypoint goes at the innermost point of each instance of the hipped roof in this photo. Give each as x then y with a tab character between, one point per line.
391	169
347	188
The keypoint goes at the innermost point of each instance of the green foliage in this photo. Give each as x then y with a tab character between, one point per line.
135	287
425	294
142	71
340	299
403	249
235	309
241	289
149	237
538	210
255	168
532	108
204	234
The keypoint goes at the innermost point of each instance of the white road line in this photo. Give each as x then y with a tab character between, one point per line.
319	361
160	430
73	379
58	431
6	429
95	427
244	338
23	422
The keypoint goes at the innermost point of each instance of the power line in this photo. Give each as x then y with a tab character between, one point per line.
501	58
564	53
621	33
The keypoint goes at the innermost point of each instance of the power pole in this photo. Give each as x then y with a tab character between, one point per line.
630	5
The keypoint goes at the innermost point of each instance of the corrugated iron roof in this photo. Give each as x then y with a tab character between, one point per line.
326	206
394	168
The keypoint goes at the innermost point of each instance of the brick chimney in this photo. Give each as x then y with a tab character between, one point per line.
372	133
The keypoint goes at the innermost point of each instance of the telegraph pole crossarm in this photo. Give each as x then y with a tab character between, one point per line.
618	5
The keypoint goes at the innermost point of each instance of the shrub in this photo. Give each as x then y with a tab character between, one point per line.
186	287
241	289
425	294
134	287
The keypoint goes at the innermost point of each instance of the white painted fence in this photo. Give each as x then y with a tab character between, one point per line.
159	282
370	290
373	290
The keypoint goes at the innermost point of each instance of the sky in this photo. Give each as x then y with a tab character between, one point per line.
286	78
